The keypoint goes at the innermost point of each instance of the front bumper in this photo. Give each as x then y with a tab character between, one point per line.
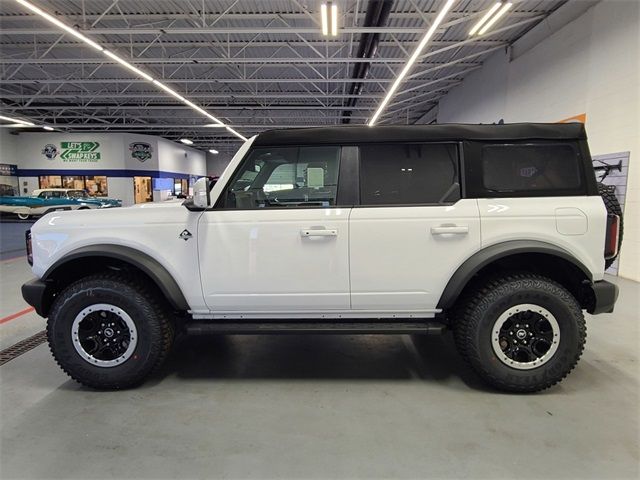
35	294
605	295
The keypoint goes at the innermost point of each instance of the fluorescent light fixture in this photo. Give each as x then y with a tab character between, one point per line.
186	141
47	128
334	20
236	133
485	17
17	121
325	19
214	151
421	46
58	23
127	65
495	18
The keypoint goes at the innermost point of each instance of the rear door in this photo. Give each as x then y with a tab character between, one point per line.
411	230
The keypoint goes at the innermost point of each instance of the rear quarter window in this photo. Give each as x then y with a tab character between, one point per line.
527	169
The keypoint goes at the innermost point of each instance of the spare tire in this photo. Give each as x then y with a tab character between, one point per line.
608	194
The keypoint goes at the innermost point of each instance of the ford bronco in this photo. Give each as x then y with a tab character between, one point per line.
496	232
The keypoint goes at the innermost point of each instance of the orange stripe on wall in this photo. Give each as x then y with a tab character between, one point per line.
582	118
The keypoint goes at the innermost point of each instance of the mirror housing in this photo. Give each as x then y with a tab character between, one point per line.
201	198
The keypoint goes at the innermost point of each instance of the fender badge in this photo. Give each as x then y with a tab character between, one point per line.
185	235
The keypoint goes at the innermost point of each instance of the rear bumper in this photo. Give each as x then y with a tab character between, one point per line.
34	293
605	295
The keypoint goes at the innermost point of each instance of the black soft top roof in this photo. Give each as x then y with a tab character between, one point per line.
417	133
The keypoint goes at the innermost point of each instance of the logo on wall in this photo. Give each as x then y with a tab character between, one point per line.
140	151
50	151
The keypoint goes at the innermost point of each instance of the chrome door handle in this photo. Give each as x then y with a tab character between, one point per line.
310	232
450	230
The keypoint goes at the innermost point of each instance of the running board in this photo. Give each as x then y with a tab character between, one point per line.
271	327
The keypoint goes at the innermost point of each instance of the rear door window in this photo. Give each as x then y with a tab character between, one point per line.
409	174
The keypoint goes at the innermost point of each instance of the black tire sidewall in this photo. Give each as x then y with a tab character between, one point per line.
563	360
88	293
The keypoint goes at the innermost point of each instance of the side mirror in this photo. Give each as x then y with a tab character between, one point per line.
201	197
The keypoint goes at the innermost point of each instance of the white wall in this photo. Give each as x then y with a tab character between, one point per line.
175	157
7	147
590	66
122	188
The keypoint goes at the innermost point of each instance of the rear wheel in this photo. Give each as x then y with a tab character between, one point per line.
23	216
109	332
521	332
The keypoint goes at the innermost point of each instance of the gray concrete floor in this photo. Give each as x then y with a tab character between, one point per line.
320	407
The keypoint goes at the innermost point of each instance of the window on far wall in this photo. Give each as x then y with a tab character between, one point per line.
97	185
50	181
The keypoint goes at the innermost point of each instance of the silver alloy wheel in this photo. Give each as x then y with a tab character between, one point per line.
525	336
104	335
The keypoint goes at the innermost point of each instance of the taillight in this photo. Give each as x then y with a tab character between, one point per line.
29	248
613	231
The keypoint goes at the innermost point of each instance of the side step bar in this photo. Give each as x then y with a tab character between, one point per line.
271	327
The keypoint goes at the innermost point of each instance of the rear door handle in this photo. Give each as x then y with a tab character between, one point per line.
310	232
450	230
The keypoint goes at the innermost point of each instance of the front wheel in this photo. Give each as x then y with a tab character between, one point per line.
521	332
108	331
23	216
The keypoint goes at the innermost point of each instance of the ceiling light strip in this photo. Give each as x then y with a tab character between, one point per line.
17	121
495	18
325	19
485	17
421	46
125	64
334	20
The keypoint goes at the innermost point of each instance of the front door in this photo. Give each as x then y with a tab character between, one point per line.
276	243
411	231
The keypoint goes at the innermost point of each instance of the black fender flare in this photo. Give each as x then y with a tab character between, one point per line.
145	263
490	254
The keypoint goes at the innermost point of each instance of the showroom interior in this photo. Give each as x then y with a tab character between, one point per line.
138	100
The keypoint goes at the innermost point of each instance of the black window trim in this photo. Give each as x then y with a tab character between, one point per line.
460	171
345	156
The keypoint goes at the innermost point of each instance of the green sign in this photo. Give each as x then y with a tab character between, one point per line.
80	151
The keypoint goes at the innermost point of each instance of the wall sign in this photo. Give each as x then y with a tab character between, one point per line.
50	151
141	151
8	170
80	151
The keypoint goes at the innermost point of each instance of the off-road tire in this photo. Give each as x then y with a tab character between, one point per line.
476	313
608	194
152	318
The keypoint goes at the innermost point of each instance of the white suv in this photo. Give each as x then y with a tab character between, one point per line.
496	232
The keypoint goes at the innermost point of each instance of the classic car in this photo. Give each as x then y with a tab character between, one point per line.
47	200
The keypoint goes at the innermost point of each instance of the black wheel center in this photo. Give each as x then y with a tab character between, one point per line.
525	336
104	335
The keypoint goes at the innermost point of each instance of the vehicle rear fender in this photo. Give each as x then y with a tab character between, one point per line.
501	251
